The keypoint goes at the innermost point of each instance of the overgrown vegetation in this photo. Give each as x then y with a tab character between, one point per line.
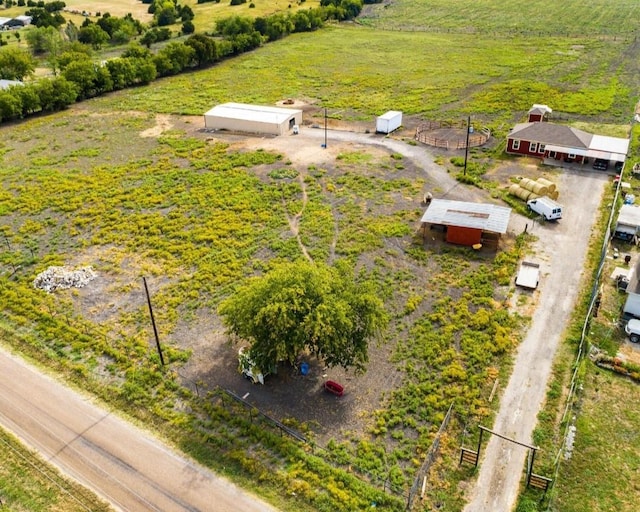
29	483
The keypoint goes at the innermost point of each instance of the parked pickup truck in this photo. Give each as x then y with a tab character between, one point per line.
528	275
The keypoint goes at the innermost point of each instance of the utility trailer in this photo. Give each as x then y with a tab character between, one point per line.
528	275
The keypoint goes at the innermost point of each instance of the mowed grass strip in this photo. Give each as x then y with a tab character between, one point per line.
362	72
603	475
610	18
29	483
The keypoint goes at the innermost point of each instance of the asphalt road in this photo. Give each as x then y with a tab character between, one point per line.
125	465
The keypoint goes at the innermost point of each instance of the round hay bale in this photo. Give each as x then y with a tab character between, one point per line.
527	183
551	186
513	189
539	189
553	195
523	193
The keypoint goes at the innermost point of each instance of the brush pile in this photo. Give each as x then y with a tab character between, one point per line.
60	278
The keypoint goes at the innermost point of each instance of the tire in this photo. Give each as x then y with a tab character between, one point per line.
634	338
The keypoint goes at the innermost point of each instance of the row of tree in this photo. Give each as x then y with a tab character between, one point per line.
81	78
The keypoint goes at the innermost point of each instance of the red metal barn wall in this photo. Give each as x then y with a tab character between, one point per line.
463	236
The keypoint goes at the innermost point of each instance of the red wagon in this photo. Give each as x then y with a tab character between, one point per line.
334	388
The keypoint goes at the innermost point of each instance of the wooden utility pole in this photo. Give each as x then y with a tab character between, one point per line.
153	321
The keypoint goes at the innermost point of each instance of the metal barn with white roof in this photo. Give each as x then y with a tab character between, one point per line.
240	117
468	223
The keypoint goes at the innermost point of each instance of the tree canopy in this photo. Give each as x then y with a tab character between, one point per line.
304	306
15	63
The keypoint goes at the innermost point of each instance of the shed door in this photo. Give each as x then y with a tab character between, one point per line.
463	236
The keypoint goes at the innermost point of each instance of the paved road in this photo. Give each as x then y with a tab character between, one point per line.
125	465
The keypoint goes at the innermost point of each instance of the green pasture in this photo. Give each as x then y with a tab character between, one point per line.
27	482
359	73
508	18
602	474
209	12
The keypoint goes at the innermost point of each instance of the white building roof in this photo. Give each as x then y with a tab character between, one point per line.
609	144
4	20
5	84
629	215
488	217
247	112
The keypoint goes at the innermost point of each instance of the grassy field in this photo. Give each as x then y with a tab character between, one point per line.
433	75
602	476
29	483
508	18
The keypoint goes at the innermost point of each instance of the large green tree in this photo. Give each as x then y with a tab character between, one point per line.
15	63
302	306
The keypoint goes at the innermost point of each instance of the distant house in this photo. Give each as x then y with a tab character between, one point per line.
17	22
555	143
466	223
5	84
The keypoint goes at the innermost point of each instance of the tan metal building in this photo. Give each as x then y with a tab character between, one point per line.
241	117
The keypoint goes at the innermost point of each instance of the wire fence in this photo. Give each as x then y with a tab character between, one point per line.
432	455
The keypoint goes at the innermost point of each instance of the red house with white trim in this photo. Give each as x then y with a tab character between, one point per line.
555	143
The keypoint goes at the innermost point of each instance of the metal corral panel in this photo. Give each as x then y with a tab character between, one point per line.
487	217
252	118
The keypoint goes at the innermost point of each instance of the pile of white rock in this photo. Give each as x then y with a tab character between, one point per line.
60	278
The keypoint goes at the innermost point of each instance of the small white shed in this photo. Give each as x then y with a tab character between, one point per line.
628	225
240	117
389	122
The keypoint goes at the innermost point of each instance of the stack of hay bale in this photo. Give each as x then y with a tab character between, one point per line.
527	189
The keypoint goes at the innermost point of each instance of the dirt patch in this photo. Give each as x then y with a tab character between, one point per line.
163	123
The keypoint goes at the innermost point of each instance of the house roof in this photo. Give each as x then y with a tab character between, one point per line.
540	109
488	217
561	138
5	84
549	133
247	112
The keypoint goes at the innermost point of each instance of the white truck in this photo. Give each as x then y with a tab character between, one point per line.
528	275
546	207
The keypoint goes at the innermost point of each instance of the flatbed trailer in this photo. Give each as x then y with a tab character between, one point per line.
528	275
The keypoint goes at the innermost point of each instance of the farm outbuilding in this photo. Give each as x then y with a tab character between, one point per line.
628	225
240	117
467	223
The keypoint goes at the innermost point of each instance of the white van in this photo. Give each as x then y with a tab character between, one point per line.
546	207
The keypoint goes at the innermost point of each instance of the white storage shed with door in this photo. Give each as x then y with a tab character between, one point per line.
240	117
389	122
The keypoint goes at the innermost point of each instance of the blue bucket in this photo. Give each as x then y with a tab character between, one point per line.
304	368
